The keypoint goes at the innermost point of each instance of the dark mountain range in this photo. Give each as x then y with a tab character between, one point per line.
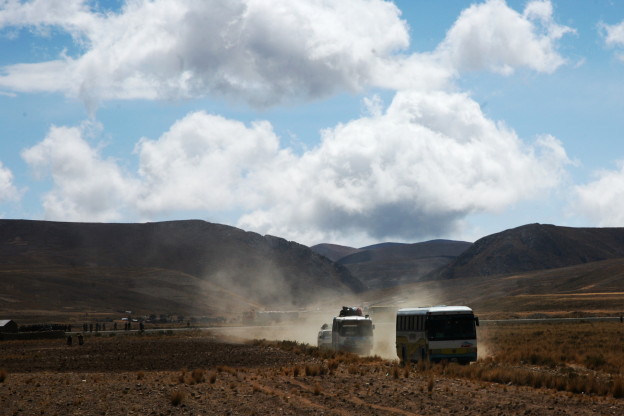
334	252
393	264
534	247
187	266
382	245
199	268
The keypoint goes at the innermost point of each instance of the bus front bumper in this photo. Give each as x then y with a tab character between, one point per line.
453	354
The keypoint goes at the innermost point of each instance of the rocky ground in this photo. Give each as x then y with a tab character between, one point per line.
196	374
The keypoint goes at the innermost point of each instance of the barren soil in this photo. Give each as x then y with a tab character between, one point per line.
196	374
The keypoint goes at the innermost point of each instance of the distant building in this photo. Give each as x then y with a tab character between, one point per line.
8	326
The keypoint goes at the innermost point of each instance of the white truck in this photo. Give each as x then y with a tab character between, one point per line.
324	338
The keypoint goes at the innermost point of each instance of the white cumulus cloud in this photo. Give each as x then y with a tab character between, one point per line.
614	36
601	200
410	171
413	172
86	186
268	52
8	190
258	51
203	163
494	37
74	16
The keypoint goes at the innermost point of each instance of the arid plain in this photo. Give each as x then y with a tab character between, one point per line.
527	364
572	368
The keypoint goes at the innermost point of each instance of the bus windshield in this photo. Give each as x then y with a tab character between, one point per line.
448	327
360	329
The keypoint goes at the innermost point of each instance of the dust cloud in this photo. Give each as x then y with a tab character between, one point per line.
483	348
269	290
305	328
306	331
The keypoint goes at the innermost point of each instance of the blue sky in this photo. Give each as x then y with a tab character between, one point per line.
351	122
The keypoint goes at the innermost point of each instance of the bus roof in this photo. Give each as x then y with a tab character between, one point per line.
435	310
352	318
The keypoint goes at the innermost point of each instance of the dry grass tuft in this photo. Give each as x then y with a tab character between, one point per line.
315	370
176	397
423	365
310	370
333	364
430	384
618	388
197	376
226	369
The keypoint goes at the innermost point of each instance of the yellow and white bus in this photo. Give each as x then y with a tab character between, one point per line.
436	333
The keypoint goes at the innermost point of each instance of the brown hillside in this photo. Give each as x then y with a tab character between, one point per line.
177	266
534	247
589	289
